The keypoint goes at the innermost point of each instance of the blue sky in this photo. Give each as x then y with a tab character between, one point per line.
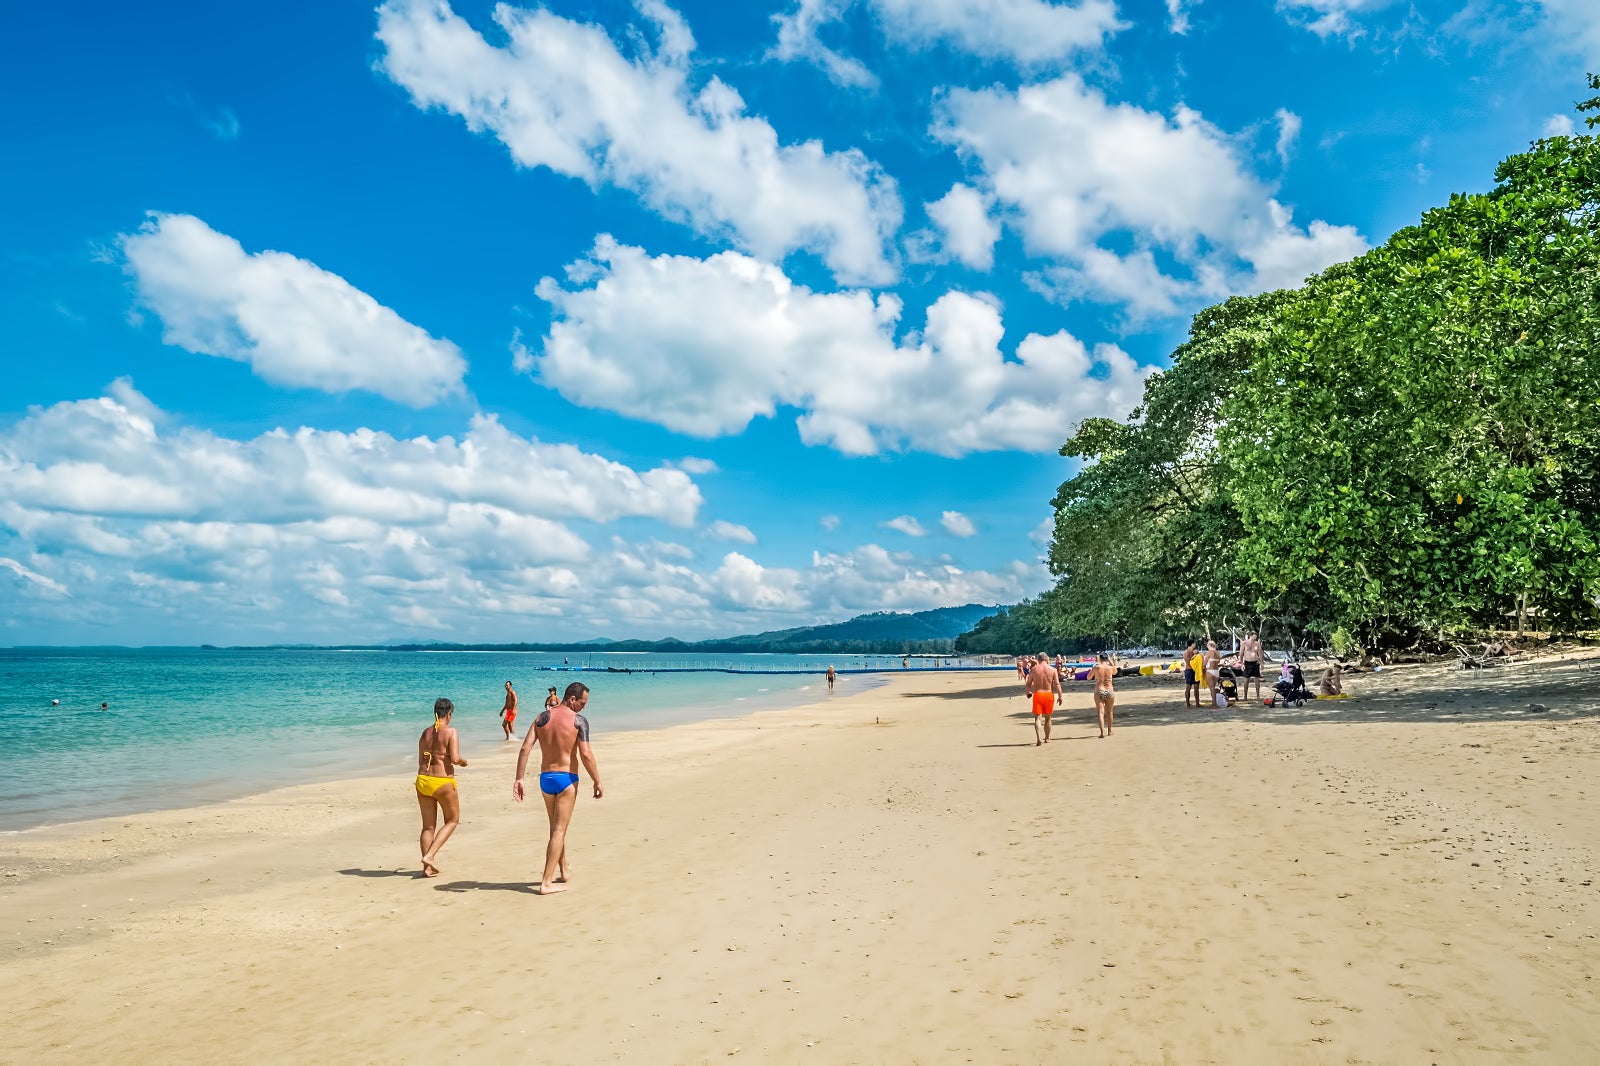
333	323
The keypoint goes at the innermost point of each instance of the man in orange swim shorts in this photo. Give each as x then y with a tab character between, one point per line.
508	713
1044	685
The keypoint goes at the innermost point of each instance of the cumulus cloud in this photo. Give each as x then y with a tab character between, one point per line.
1178	15
111	516
560	94
798	40
957	524
703	346
1028	33
1288	134
1557	126
1135	208
967	231
1330	18
905	524
724	530
293	322
1575	26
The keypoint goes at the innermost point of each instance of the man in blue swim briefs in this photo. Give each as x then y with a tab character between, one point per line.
562	734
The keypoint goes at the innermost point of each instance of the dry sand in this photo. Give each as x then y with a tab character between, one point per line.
897	876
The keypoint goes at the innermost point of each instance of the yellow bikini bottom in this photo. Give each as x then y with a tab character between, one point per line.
427	785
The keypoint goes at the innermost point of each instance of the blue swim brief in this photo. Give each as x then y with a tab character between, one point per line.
553	783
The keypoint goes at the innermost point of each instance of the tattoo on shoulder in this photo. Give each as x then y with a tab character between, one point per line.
543	719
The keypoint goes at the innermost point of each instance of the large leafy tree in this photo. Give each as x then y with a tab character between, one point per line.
1420	440
1146	533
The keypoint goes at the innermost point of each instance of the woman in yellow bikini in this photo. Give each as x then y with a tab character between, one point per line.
438	754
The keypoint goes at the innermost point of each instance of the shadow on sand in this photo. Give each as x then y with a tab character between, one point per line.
415	875
1543	690
488	886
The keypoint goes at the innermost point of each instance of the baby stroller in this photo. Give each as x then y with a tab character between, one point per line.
1292	689
1228	684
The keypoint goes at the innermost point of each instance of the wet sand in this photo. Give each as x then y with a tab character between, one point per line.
896	876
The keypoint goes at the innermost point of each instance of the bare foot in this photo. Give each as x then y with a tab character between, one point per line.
429	869
1037	743
551	889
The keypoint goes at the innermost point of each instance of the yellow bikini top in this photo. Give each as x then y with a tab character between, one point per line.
428	755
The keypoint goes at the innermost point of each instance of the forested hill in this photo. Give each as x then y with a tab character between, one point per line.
884	633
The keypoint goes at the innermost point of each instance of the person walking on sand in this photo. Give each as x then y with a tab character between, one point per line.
562	735
832	677
1105	694
1250	660
508	713
1044	687
438	754
1191	681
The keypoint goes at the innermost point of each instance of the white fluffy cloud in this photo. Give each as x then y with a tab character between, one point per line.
1185	219
957	524
1557	126
559	94
1028	33
293	322
114	520
703	346
724	530
1576	25
906	524
1330	18
1178	15
967	230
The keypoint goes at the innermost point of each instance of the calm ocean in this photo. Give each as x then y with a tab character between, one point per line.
228	723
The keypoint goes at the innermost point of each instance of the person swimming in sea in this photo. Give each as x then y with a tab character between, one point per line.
438	754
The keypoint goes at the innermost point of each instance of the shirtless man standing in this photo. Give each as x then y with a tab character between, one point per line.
1044	687
562	734
1104	692
1250	657
832	677
508	713
1191	683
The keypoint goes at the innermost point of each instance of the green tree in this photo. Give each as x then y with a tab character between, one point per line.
1418	442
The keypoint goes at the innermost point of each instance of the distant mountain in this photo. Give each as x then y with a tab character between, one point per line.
881	633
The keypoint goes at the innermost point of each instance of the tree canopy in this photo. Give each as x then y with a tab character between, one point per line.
1407	444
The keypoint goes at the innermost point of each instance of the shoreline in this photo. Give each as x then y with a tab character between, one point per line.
200	794
893	875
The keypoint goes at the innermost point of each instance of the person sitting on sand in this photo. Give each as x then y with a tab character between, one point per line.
1332	681
438	754
1044	686
1105	695
508	713
562	734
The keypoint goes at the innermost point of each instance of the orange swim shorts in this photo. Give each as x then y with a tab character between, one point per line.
1044	703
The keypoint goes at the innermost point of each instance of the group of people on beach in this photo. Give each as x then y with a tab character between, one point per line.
1221	675
1042	685
560	732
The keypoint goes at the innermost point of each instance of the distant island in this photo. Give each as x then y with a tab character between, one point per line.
881	633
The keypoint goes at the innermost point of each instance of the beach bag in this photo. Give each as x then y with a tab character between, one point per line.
1222	701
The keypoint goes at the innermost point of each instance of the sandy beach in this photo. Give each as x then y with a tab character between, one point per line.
899	876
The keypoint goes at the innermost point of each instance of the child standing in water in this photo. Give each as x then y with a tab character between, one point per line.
438	754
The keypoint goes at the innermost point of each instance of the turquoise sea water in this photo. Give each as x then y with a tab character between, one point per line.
186	725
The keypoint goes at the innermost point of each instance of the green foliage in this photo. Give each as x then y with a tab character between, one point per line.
1408	443
1146	533
1020	630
